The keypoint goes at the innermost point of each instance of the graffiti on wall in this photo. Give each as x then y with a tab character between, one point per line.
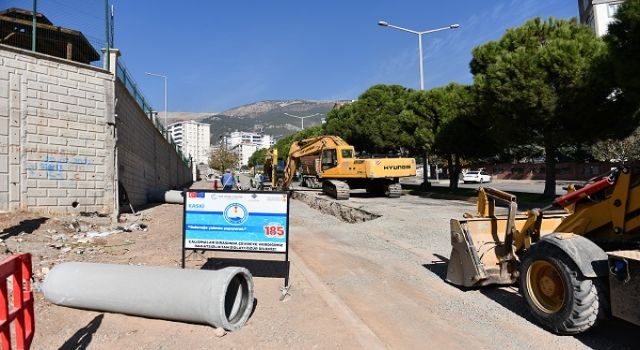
55	166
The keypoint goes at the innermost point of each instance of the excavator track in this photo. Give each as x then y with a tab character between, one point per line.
393	190
336	189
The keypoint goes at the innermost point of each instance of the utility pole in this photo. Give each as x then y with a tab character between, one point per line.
107	53
34	26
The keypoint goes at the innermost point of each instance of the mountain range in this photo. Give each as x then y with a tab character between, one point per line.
266	116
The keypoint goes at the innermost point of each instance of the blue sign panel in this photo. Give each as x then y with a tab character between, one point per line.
239	221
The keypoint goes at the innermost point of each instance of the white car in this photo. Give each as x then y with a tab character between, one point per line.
479	176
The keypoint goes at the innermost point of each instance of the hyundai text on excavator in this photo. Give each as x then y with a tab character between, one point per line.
330	162
575	266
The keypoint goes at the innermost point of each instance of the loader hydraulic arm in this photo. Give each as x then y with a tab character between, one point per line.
572	197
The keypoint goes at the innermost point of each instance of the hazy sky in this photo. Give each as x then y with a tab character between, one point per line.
222	54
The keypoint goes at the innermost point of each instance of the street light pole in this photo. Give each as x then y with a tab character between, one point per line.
419	34
421	63
302	118
165	94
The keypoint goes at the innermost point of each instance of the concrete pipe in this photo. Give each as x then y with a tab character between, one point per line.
162	196
221	298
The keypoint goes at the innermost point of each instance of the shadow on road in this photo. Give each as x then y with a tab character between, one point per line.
438	267
610	334
26	226
82	338
258	268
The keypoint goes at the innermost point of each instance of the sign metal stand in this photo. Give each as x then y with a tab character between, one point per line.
246	222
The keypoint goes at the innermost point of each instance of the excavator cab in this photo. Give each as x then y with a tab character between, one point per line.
329	159
332	157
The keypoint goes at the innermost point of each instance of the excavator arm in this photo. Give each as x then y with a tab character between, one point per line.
307	147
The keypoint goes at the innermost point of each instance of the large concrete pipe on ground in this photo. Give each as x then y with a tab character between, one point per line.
221	298
163	196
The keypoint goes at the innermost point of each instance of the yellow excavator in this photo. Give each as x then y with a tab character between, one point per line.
577	260
330	162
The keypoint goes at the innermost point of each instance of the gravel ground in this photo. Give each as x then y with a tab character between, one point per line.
411	243
374	284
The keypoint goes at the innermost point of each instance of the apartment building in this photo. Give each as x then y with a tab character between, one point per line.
598	14
193	139
260	140
246	143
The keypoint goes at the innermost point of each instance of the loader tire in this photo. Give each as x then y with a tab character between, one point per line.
558	296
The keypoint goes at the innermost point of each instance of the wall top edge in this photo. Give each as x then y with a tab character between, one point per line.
51	58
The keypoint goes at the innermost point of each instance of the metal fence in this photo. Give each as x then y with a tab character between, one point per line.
123	75
71	29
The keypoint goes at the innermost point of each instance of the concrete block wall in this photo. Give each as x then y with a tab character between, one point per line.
56	134
146	161
58	145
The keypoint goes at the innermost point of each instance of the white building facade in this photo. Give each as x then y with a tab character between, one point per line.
246	143
598	14
244	151
193	139
242	137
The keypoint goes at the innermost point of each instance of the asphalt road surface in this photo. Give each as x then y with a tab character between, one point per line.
528	186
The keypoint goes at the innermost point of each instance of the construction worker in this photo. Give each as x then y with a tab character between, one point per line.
228	181
256	180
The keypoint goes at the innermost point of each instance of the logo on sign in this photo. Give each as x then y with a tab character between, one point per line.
235	214
196	194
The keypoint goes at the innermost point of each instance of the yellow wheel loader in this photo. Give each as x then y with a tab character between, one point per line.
330	162
576	261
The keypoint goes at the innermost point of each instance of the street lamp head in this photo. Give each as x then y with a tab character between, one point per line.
383	23
454	26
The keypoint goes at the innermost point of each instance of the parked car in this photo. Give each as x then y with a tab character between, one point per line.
479	176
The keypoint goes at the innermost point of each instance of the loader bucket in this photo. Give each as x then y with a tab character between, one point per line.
479	255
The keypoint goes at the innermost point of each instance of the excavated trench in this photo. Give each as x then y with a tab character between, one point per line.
335	208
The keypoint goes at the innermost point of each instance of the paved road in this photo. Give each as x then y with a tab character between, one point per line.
388	274
528	186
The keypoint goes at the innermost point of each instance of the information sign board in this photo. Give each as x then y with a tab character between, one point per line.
236	221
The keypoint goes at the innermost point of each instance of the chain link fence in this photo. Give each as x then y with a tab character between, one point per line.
72	29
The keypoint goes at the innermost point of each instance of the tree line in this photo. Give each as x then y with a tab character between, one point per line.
548	88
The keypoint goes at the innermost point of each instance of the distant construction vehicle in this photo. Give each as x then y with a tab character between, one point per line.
574	266
329	162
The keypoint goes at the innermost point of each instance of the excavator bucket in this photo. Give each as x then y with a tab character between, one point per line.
483	245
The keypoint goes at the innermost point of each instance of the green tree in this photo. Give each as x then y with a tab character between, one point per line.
258	157
623	40
534	86
222	159
460	131
624	149
377	122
